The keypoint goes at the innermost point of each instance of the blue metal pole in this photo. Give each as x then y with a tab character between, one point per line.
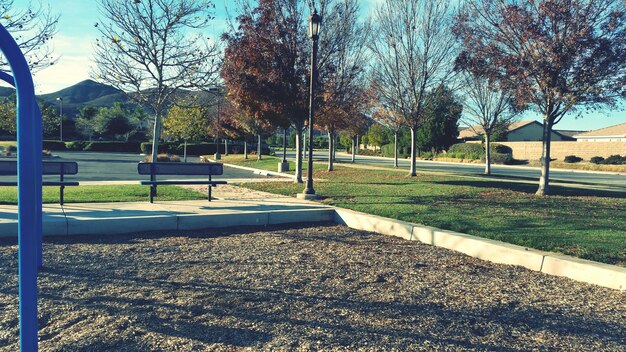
29	180
9	79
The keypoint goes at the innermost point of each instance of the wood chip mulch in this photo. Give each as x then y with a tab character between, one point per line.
299	289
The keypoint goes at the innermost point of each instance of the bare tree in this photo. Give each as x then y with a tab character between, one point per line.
557	56
148	50
487	109
32	27
414	52
342	69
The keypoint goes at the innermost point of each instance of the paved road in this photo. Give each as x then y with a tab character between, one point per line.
94	166
498	170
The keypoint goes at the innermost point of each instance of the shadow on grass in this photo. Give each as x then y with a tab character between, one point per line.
531	189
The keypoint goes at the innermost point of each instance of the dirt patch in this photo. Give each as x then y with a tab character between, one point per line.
307	288
233	192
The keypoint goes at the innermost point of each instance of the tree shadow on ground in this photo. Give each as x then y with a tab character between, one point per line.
531	189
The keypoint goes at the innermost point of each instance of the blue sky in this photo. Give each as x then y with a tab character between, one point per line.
76	34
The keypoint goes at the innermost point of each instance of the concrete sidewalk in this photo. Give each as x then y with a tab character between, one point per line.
118	218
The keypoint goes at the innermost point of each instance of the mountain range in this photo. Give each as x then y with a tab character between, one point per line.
85	93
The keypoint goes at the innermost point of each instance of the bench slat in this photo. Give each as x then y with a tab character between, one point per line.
45	183
9	167
158	183
182	169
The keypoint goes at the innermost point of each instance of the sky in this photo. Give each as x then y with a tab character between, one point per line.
73	46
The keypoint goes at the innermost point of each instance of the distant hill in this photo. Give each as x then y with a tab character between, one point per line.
87	93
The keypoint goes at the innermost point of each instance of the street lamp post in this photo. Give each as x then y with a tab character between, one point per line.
60	100
315	22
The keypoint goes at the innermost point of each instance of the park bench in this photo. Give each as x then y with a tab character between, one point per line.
60	168
180	169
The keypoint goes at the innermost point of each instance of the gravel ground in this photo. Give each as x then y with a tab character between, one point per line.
307	288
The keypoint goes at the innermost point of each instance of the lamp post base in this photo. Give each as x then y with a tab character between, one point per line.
306	196
283	166
217	156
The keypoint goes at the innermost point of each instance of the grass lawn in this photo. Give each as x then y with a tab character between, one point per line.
103	194
268	163
576	222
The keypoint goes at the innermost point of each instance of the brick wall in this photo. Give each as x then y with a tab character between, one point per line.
585	150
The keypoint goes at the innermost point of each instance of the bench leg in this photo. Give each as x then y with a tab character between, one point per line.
210	192
61	195
152	192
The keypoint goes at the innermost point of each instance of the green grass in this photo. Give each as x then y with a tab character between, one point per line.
581	223
103	194
269	163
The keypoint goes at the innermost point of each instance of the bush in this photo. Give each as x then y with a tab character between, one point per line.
163	158
53	145
75	145
467	148
130	147
572	159
12	149
500	154
501	158
388	151
596	160
614	160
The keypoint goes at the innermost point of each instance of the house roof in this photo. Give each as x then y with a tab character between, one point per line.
472	132
570	133
611	131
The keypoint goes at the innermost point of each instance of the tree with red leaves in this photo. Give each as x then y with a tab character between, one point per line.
266	67
555	56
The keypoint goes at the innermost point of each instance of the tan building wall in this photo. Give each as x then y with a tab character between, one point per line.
530	132
560	149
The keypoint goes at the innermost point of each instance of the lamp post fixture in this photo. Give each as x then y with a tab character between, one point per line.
315	22
60	100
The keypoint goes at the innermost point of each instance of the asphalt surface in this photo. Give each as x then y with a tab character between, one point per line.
529	173
93	166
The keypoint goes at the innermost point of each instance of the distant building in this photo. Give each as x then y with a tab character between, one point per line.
521	131
615	133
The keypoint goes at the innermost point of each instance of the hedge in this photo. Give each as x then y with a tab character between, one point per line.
387	150
53	145
129	147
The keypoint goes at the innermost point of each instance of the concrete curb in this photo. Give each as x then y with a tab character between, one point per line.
600	274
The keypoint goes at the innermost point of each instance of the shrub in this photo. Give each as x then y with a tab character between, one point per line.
130	147
164	147
12	149
75	145
615	160
501	158
500	148
596	160
467	148
388	151
572	159
163	158
53	145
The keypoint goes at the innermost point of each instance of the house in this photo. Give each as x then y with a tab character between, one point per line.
616	133
521	131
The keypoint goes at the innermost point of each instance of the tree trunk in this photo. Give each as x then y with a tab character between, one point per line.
305	145
331	145
258	147
395	146
413	149
225	146
544	181
155	137
185	152
354	148
487	153
285	145
299	154
245	150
